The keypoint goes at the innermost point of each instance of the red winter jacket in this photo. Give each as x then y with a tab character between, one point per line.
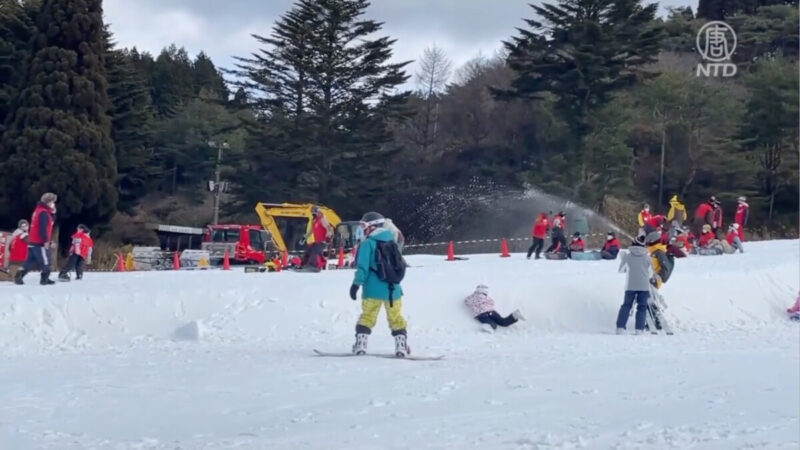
705	238
704	212
18	247
686	240
540	226
577	245
319	230
716	218
41	231
609	244
730	236
742	213
81	245
558	221
655	221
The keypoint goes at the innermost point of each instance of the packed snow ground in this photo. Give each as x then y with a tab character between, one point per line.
195	360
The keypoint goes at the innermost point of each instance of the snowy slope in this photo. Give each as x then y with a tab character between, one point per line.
223	360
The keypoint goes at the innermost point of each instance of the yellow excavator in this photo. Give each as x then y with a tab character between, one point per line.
289	225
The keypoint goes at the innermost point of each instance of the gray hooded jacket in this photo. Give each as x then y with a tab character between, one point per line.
636	262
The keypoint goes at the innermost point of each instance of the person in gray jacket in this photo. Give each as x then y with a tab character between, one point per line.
636	262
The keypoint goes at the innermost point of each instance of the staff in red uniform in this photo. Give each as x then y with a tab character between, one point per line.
742	214
79	252
703	215
18	248
320	229
539	232
39	240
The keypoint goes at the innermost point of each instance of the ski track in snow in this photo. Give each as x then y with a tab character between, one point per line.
207	360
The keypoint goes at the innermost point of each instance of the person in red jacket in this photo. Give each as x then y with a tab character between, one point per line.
741	216
18	248
703	215
79	252
706	236
733	237
576	245
320	229
558	241
684	240
39	240
716	218
655	222
539	232
611	247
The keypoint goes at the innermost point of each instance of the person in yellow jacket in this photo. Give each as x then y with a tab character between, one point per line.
662	266
644	216
675	216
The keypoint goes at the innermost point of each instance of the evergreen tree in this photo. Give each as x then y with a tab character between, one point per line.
324	88
582	52
58	137
771	123
207	77
131	127
17	27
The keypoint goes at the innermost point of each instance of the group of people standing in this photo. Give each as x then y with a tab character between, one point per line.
558	241
31	244
706	235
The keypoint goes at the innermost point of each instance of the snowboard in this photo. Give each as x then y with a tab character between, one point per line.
381	355
555	256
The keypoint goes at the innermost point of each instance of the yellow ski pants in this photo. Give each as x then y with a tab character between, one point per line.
370	308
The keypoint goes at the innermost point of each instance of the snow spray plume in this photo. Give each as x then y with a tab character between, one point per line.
483	209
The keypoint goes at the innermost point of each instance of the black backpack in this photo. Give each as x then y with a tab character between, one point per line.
390	265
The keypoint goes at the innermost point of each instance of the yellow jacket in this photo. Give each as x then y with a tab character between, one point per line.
676	207
661	264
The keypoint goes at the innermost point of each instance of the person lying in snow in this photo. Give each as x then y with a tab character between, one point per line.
482	308
733	238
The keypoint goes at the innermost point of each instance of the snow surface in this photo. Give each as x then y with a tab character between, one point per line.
212	359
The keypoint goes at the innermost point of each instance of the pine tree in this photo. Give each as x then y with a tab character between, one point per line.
58	137
207	77
131	127
17	27
325	90
582	52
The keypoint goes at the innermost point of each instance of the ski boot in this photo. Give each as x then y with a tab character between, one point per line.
517	315
620	330
401	349
360	347
19	276
46	281
63	277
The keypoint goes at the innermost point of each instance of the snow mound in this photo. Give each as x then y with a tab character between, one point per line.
705	295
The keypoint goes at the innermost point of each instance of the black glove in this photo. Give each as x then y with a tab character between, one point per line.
353	291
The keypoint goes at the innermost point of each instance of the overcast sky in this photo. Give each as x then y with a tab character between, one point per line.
222	28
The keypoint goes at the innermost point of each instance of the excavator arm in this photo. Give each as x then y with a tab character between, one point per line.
267	212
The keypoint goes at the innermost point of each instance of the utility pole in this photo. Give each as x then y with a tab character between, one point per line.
216	187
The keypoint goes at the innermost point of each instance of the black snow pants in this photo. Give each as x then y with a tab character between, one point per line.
38	258
312	254
494	319
74	262
537	246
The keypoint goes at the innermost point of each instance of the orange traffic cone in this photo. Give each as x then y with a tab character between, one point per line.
504	249
226	261
340	263
120	263
277	262
176	261
285	259
450	254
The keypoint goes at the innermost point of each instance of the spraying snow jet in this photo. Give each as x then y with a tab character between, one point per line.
484	209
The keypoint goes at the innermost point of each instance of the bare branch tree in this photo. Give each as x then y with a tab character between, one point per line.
432	77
